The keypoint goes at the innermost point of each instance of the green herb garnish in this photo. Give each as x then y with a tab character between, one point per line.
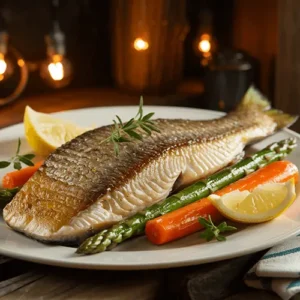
18	159
212	231
126	132
6	195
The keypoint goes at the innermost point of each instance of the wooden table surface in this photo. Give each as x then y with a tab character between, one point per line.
24	280
191	89
75	99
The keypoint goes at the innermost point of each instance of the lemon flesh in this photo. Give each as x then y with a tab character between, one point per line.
45	133
264	203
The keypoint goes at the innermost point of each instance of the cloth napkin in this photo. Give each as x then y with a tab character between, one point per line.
278	270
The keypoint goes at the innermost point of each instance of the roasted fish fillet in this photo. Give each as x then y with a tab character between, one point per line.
83	187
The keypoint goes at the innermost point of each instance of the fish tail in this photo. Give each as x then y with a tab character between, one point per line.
282	119
255	99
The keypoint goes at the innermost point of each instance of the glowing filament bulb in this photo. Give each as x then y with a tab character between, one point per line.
140	44
204	46
3	64
56	70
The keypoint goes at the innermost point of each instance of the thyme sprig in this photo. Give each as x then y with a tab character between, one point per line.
212	231
17	159
127	132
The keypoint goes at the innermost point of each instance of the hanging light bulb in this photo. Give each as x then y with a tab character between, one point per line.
6	68
3	64
11	62
56	70
205	42
140	44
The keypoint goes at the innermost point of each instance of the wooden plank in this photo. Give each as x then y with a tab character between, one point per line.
12	268
10	285
194	282
255	31
80	284
79	98
288	59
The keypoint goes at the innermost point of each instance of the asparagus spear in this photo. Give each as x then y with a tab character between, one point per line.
135	225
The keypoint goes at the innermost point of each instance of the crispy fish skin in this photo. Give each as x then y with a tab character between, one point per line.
83	187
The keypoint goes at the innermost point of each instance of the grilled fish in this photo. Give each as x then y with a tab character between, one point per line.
82	187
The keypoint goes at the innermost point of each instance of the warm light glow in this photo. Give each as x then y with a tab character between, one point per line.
21	62
206	54
140	44
56	70
3	65
204	46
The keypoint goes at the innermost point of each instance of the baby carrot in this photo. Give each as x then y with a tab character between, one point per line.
184	221
19	178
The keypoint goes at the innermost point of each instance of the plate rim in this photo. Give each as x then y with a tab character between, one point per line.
57	113
145	266
149	266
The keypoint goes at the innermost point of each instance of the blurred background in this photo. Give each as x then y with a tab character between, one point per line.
193	53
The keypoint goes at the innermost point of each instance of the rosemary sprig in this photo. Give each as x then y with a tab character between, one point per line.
18	159
126	132
212	231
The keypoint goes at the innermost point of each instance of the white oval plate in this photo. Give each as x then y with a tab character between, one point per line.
138	253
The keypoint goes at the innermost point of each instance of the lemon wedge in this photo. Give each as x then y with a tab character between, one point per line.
264	203
45	133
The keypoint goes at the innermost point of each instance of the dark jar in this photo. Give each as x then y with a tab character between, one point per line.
228	77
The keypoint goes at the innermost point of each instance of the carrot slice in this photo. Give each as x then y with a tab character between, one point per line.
184	221
19	178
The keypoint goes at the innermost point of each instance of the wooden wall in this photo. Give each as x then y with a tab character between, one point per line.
288	59
87	29
255	31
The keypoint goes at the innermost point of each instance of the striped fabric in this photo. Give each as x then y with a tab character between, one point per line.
278	270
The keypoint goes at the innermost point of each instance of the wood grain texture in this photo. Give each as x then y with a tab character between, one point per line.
78	98
163	25
255	31
288	59
61	284
24	280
